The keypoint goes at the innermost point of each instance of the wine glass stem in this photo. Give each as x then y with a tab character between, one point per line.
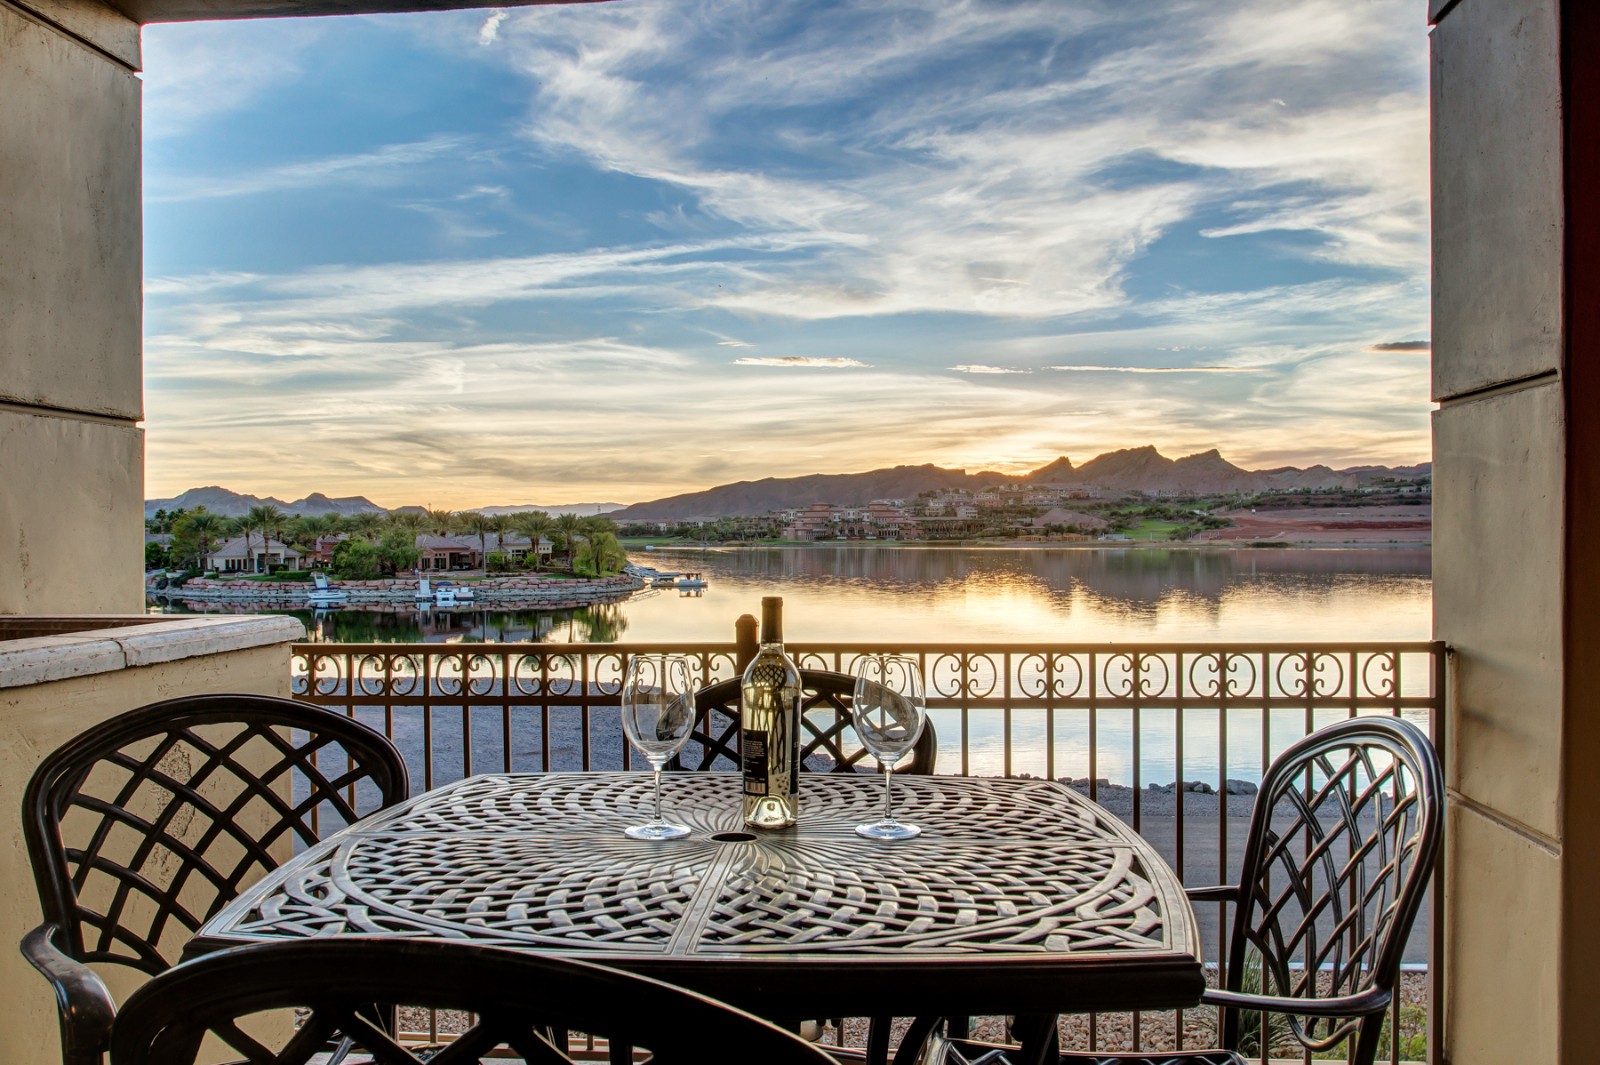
888	775
658	795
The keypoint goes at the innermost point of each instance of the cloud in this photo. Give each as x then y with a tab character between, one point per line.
799	360
1157	369
491	28
972	367
1403	345
944	184
198	72
361	168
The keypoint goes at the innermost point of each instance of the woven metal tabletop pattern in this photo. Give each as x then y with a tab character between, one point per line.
1015	869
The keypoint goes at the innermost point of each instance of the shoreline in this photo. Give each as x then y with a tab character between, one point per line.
978	545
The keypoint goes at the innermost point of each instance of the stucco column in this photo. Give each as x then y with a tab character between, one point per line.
1517	480
71	397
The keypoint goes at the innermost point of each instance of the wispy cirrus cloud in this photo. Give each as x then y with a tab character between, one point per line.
1156	369
801	361
981	368
361	168
1403	345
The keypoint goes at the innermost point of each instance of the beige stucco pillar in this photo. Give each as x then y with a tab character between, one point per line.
71	450
1517	483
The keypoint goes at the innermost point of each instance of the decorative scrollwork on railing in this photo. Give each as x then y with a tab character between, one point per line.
966	674
1135	676
1224	676
1380	674
1050	675
1310	675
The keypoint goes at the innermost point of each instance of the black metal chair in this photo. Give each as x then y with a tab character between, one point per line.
1345	832
523	1002
827	738
142	828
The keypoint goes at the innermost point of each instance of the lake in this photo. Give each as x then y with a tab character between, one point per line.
964	594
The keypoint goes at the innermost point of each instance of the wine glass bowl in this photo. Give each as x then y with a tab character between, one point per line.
658	715
888	710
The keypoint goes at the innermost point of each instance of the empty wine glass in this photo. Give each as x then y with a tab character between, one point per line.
657	717
888	710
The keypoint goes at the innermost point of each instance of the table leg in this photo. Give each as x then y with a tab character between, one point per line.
1037	1033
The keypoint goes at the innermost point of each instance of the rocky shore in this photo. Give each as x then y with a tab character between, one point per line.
544	593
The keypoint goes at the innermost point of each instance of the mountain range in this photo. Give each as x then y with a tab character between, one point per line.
234	504
1141	469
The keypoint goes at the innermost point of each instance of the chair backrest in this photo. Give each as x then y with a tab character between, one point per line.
514	1000
827	739
142	828
1344	834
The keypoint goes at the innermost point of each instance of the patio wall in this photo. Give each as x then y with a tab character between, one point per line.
71	450
1516	582
54	687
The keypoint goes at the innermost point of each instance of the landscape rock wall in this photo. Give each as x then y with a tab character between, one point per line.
551	593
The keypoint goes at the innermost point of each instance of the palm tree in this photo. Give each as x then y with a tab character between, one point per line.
570	526
367	524
535	525
440	522
205	527
266	518
482	524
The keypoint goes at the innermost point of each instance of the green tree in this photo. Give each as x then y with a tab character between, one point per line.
193	533
155	555
535	525
480	525
569	525
397	550
366	524
357	560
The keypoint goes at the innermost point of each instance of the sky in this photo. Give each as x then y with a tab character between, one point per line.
615	251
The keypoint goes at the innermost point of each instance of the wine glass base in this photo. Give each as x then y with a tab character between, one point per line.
888	830
661	831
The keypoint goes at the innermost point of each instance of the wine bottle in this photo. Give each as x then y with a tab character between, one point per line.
770	735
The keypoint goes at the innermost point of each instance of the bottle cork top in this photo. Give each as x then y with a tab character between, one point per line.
772	619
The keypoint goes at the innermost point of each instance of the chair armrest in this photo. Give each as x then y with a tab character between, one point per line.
85	1006
1213	893
1334	1006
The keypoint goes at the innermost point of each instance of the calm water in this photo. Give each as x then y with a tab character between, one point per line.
970	595
1001	595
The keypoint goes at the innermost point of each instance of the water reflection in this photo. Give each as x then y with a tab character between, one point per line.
967	595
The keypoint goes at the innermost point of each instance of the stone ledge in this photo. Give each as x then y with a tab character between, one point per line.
125	642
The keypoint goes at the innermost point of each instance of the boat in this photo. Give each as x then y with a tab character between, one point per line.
449	594
691	580
424	591
324	592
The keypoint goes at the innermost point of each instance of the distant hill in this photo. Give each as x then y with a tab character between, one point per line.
1142	469
582	510
234	505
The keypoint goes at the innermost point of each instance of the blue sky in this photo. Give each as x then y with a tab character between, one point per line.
615	251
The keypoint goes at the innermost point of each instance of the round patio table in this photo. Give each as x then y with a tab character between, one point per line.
1020	896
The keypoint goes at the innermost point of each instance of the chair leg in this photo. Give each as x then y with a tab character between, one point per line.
916	1036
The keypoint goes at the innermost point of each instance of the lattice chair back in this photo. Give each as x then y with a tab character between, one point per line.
828	740
144	827
1344	834
512	1001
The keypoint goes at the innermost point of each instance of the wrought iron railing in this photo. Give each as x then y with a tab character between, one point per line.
1158	733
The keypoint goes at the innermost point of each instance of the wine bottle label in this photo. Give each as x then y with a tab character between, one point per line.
754	755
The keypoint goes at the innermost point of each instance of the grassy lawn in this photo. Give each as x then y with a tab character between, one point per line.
1152	529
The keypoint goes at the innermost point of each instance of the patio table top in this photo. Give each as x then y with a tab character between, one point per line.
1020	896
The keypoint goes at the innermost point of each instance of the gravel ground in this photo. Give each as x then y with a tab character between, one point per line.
1110	1032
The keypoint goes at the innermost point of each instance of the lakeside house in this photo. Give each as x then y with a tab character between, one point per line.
882	519
253	554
